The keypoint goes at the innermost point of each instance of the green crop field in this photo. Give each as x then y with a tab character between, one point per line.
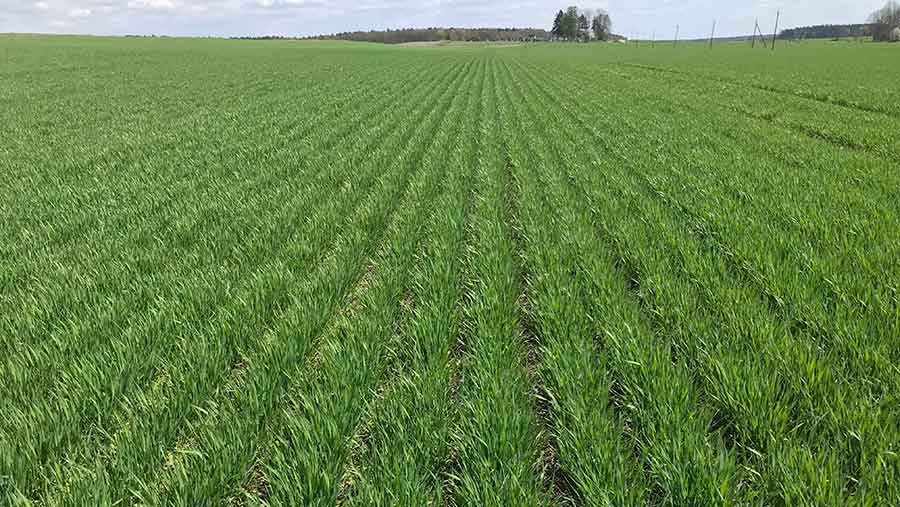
310	273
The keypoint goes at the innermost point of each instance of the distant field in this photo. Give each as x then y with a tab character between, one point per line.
290	273
450	43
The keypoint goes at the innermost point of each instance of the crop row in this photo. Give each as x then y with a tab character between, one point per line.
243	318
726	334
536	275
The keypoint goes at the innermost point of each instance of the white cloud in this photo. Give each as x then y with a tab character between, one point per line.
41	6
152	4
79	13
289	3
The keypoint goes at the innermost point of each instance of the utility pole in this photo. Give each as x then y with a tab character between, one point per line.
775	34
712	35
762	36
677	28
755	26
654	39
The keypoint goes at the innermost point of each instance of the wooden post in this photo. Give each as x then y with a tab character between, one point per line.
762	37
755	27
775	34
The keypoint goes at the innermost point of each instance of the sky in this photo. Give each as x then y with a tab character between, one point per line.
634	18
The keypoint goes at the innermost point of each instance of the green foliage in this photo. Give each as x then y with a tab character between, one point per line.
289	273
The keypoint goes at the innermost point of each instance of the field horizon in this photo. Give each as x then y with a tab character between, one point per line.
339	273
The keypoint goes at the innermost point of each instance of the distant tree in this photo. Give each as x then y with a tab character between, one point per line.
885	22
558	24
584	24
570	23
582	27
588	15
602	25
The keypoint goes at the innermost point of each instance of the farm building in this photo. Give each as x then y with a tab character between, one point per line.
895	34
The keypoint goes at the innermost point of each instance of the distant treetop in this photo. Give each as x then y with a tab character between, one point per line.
584	24
435	34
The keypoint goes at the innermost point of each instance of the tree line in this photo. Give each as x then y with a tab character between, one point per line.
436	34
576	24
883	26
825	32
